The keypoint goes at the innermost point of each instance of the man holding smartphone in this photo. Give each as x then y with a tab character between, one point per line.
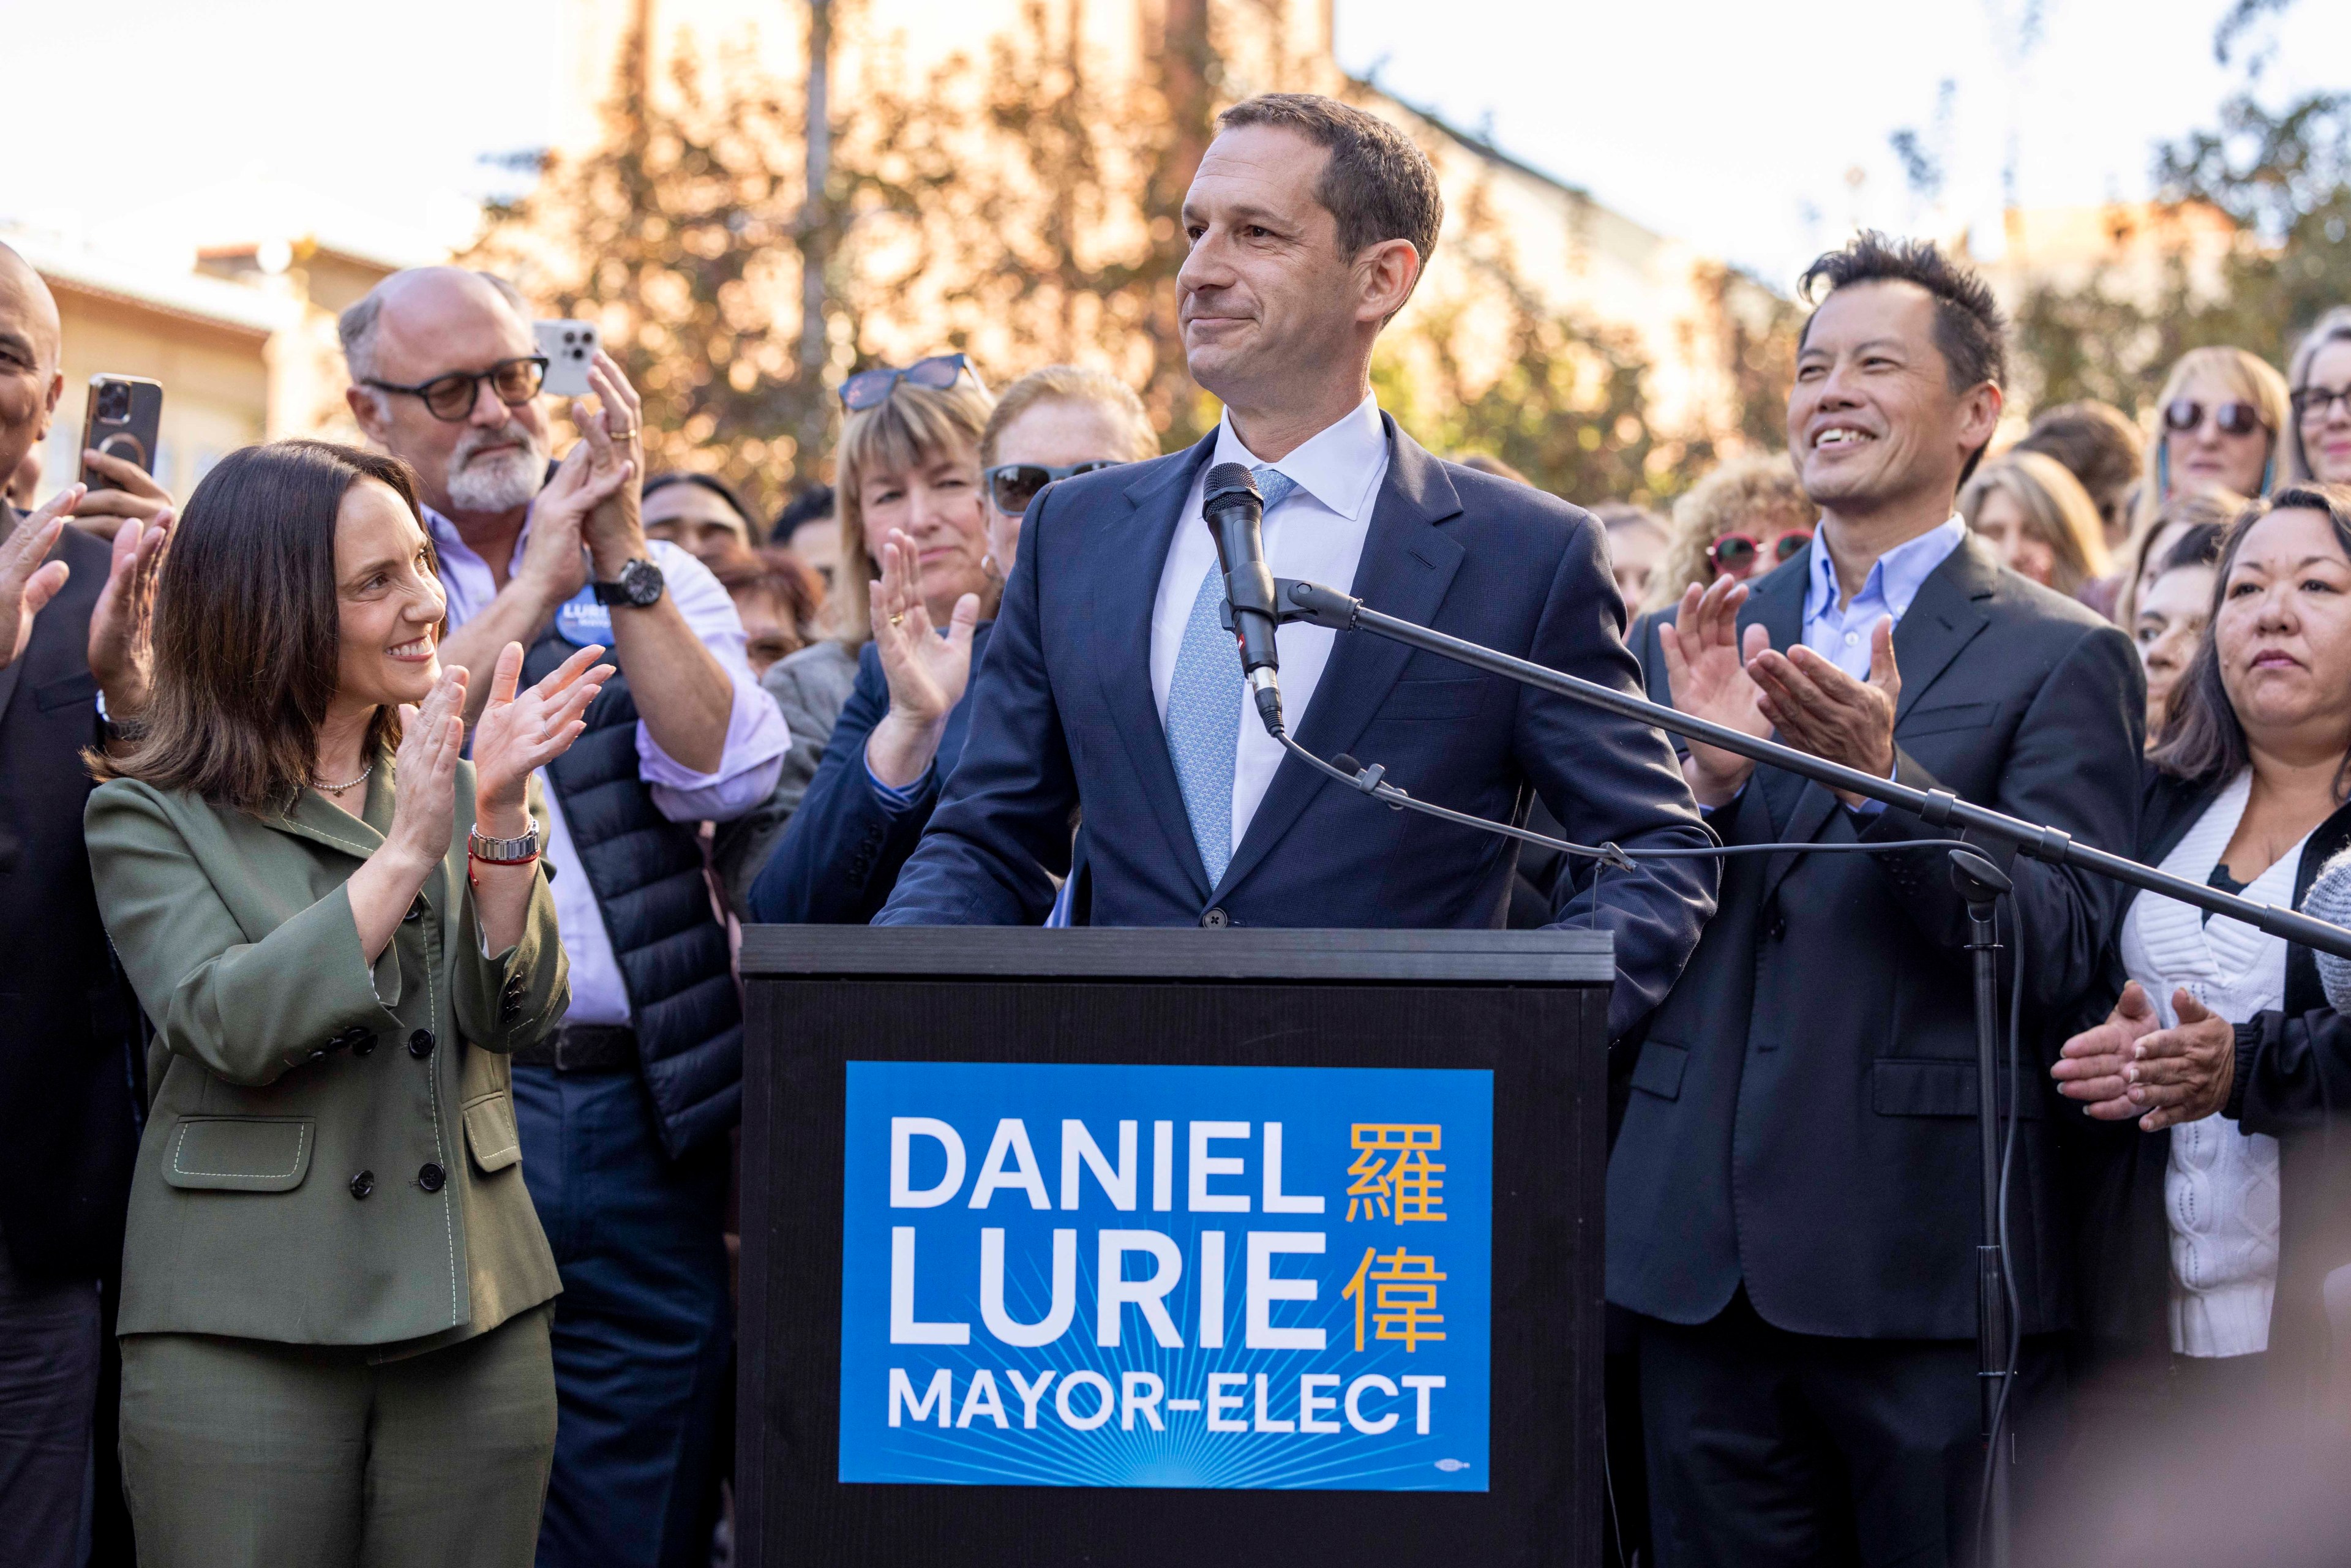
625	1114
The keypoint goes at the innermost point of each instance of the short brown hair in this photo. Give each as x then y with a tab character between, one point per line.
1377	185
248	628
776	570
1073	384
2100	448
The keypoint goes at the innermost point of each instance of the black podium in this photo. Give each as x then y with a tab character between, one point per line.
958	1024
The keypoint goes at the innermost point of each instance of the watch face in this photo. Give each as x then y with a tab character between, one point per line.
641	582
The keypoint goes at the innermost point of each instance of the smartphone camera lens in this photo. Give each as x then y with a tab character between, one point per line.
114	403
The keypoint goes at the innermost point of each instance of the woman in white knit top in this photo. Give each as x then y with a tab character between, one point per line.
2252	773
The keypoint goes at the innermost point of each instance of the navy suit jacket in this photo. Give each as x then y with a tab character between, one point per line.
842	853
1802	1116
1064	716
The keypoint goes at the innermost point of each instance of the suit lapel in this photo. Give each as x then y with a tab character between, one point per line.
1407	564
1125	559
321	822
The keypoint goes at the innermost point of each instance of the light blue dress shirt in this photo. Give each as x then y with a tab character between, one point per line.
1841	634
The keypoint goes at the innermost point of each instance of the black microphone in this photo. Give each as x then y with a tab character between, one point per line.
1234	514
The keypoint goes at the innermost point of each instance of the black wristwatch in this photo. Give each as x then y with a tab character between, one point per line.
638	586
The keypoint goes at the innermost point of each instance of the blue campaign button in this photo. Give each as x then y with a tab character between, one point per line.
581	621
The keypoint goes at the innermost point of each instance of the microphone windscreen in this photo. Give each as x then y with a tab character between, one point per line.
1226	478
2330	899
1346	764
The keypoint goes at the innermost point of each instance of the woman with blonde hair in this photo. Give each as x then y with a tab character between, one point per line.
908	461
2318	445
2038	520
2218	427
1747	515
902	729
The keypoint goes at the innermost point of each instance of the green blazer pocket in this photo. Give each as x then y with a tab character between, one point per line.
239	1153
490	1133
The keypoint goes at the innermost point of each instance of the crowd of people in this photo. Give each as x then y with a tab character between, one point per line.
377	824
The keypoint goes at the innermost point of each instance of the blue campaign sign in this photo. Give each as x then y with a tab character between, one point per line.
1107	1276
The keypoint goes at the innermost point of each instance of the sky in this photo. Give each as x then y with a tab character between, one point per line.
1734	125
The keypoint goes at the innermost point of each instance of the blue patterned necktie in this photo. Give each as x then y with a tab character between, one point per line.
1204	706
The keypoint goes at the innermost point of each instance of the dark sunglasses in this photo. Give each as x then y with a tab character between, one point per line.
2185	413
867	388
1012	486
2313	404
1735	555
452	397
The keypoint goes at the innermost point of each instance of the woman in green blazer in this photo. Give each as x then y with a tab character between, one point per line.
335	1292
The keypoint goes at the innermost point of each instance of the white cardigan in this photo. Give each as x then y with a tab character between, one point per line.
2221	1188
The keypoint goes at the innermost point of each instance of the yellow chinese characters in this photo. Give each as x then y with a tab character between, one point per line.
1394	1176
1402	1297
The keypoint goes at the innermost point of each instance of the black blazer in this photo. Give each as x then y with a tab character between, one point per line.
2293	1070
1803	1113
69	1102
1063	716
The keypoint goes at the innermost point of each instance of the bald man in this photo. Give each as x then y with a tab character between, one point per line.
69	1064
624	1115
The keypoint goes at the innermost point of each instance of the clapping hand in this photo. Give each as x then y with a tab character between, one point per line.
29	579
519	732
1819	708
551	556
613	433
1706	669
2128	1066
927	673
424	775
122	622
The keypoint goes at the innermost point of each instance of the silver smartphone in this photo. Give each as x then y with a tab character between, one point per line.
570	348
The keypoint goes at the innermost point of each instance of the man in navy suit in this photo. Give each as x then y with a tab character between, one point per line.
1111	685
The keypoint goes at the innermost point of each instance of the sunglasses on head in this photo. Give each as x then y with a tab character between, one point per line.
867	388
1735	555
1012	486
2185	413
451	398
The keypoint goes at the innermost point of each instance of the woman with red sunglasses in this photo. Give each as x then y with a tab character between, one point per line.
1741	521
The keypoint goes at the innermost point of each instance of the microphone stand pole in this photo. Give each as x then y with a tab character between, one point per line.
1978	882
1320	606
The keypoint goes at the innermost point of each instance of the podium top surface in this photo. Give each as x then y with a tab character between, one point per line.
1256	953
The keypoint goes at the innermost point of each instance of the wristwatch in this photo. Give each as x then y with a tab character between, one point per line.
504	852
638	587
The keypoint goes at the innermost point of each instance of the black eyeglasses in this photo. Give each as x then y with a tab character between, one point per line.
2313	404
2185	413
1012	486
452	397
867	388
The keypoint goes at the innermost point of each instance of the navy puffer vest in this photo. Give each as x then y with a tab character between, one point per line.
647	873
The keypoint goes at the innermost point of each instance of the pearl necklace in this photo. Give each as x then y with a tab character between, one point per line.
321	784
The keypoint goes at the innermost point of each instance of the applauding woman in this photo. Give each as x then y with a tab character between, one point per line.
335	1292
2213	1238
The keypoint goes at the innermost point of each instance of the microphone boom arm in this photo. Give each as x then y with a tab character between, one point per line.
1320	606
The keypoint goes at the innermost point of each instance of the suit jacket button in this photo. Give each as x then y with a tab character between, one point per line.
1779	928
431	1177
362	1045
420	1044
363	1183
1215	919
415	911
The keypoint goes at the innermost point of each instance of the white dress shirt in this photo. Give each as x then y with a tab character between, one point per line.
748	768
1316	535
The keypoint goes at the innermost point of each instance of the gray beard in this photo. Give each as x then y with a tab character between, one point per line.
495	482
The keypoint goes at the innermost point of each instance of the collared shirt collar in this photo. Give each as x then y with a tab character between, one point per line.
447	540
1894	577
1338	465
